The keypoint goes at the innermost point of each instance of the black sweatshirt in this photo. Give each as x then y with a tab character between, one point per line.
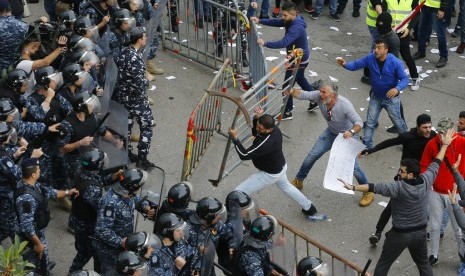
266	151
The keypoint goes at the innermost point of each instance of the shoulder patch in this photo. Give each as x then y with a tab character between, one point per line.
9	164
154	259
109	212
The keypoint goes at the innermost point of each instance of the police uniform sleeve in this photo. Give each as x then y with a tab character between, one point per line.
92	196
25	209
251	264
194	255
10	170
141	204
105	222
48	192
65	105
35	109
64	135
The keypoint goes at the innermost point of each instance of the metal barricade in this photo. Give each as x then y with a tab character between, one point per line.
208	33
258	66
152	25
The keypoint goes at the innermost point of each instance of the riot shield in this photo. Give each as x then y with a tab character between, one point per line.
111	73
151	30
235	219
208	253
283	254
151	191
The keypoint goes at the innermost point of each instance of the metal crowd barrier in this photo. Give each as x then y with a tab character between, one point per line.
200	44
258	66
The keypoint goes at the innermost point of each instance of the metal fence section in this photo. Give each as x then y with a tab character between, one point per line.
205	119
306	246
271	100
208	32
258	66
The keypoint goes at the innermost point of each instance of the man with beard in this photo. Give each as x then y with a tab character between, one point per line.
294	38
413	143
409	199
461	124
342	118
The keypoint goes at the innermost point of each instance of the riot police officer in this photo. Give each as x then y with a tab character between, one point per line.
123	21
33	213
130	91
73	77
129	263
177	201
16	85
99	12
83	215
176	257
115	217
311	266
143	244
252	257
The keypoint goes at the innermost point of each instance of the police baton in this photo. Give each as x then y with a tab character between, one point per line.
279	269
100	123
366	268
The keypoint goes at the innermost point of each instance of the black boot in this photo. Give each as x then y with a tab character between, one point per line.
174	26
245	62
219	51
133	157
145	164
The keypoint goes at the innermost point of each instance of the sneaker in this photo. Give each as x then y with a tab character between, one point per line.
433	260
356	13
442	62
391	129
309	9
133	157
415	84
418	55
460	48
312	106
366	80
367	199
375	238
287	116
299	184
311	211
335	17
276	12
315	16
145	164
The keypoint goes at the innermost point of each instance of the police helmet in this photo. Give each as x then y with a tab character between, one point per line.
239	197
308	266
132	179
79	101
77	42
208	208
139	243
94	159
262	228
121	15
82	24
128	263
16	78
168	223
68	17
43	74
179	196
7	108
83	56
5	131
71	73
47	31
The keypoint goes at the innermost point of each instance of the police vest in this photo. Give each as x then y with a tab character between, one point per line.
264	260
433	3
399	10
53	116
80	208
42	213
81	129
371	15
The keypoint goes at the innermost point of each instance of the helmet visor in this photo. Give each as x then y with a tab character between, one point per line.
57	79
93	105
182	231
93	34
153	241
14	117
90	58
222	214
321	270
135	5
84	44
13	137
250	213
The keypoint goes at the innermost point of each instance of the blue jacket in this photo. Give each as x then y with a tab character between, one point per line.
393	74
295	36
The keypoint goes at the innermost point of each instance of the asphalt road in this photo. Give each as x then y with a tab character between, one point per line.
441	94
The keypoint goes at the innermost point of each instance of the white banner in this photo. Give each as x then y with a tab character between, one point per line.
341	163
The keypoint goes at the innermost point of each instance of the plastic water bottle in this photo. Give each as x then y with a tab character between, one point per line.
321	217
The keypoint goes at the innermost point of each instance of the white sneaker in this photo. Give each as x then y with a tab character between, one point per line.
415	84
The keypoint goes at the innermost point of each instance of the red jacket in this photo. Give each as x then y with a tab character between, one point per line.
445	180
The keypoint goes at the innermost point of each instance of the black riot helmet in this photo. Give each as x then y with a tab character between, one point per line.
308	266
83	56
129	262
8	108
94	159
132	179
79	101
168	223
71	73
121	15
43	74
179	196
208	208
262	228
239	197
68	17
140	242
16	78
82	24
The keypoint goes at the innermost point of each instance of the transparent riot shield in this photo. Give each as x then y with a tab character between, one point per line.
208	254
111	72
151	191
283	254
235	219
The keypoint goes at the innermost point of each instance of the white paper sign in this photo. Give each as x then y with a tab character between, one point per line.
341	163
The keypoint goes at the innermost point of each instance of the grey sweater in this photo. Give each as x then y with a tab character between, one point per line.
458	213
409	199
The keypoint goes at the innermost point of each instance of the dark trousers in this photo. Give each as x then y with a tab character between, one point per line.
300	80
384	218
396	243
343	3
407	56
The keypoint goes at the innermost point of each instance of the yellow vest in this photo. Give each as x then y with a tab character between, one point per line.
399	10
433	3
371	15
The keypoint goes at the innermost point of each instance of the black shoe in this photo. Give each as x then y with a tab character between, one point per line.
392	129
207	18
311	211
287	116
366	80
442	62
418	55
355	13
219	51
200	24
315	15
245	62
340	9
51	265
174	28
145	164
335	17
312	106
432	260
133	157
375	238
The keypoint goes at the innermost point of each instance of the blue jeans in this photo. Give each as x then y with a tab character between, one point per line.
461	269
445	221
264	8
448	12
332	6
323	145
374	36
301	81
392	106
201	9
460	27
428	20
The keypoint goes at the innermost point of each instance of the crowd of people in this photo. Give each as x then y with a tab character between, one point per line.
51	91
